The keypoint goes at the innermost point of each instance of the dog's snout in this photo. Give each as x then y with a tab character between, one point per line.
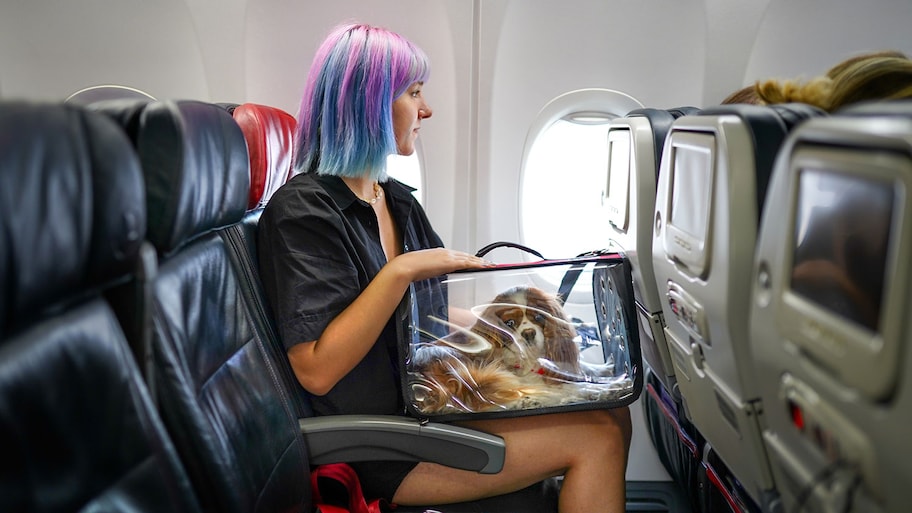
528	334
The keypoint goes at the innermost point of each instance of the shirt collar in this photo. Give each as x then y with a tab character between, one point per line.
337	190
400	193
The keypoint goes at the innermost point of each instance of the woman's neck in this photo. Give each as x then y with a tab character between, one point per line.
364	188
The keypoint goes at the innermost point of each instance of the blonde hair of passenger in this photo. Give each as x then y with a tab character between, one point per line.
885	75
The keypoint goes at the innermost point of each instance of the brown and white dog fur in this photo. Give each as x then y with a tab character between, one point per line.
520	344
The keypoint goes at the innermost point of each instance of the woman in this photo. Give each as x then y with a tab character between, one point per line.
341	243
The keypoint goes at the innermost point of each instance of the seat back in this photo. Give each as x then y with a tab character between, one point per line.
78	430
711	189
829	316
229	408
635	145
269	133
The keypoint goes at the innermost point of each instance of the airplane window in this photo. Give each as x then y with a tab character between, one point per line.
563	187
564	173
407	169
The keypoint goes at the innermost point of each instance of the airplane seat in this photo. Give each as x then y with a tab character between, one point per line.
710	196
231	416
676	441
828	323
635	143
78	429
269	134
219	372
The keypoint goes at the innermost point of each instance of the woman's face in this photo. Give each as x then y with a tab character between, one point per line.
408	111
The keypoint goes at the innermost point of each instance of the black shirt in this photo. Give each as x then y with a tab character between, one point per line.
319	247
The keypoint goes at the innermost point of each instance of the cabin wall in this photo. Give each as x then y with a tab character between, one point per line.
805	38
495	63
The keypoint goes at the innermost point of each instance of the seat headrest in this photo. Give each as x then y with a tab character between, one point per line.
661	120
194	160
229	106
888	108
72	215
684	111
768	125
270	134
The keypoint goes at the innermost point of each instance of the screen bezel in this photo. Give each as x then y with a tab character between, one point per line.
617	181
863	359
690	250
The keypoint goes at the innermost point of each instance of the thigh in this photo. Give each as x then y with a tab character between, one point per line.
537	447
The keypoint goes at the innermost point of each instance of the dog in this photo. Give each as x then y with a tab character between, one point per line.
530	333
521	345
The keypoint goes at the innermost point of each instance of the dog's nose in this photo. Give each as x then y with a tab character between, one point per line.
528	334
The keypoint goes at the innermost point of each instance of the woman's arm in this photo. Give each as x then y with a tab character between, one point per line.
320	364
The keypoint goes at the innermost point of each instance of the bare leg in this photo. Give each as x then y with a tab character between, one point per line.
589	448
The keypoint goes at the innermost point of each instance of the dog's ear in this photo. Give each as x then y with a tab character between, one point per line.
492	327
561	348
559	333
549	303
467	342
494	330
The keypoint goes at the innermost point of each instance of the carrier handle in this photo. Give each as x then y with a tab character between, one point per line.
570	277
504	244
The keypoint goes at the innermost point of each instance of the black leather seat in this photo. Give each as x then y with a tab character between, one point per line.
269	134
77	428
225	402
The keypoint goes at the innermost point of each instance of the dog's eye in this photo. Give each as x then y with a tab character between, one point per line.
510	323
539	318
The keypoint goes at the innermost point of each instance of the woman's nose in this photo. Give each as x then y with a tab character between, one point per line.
425	112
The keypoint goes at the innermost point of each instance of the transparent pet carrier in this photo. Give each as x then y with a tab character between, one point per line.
521	339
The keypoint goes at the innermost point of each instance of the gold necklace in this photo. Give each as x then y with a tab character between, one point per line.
378	193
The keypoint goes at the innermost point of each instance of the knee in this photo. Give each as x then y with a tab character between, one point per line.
610	430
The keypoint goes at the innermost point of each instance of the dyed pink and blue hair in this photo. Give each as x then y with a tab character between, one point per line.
345	125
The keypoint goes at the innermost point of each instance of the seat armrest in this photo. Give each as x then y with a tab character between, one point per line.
346	438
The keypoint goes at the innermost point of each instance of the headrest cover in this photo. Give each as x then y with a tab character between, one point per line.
899	108
72	215
194	160
685	110
270	134
661	121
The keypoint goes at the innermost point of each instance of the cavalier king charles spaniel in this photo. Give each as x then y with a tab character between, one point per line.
520	347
